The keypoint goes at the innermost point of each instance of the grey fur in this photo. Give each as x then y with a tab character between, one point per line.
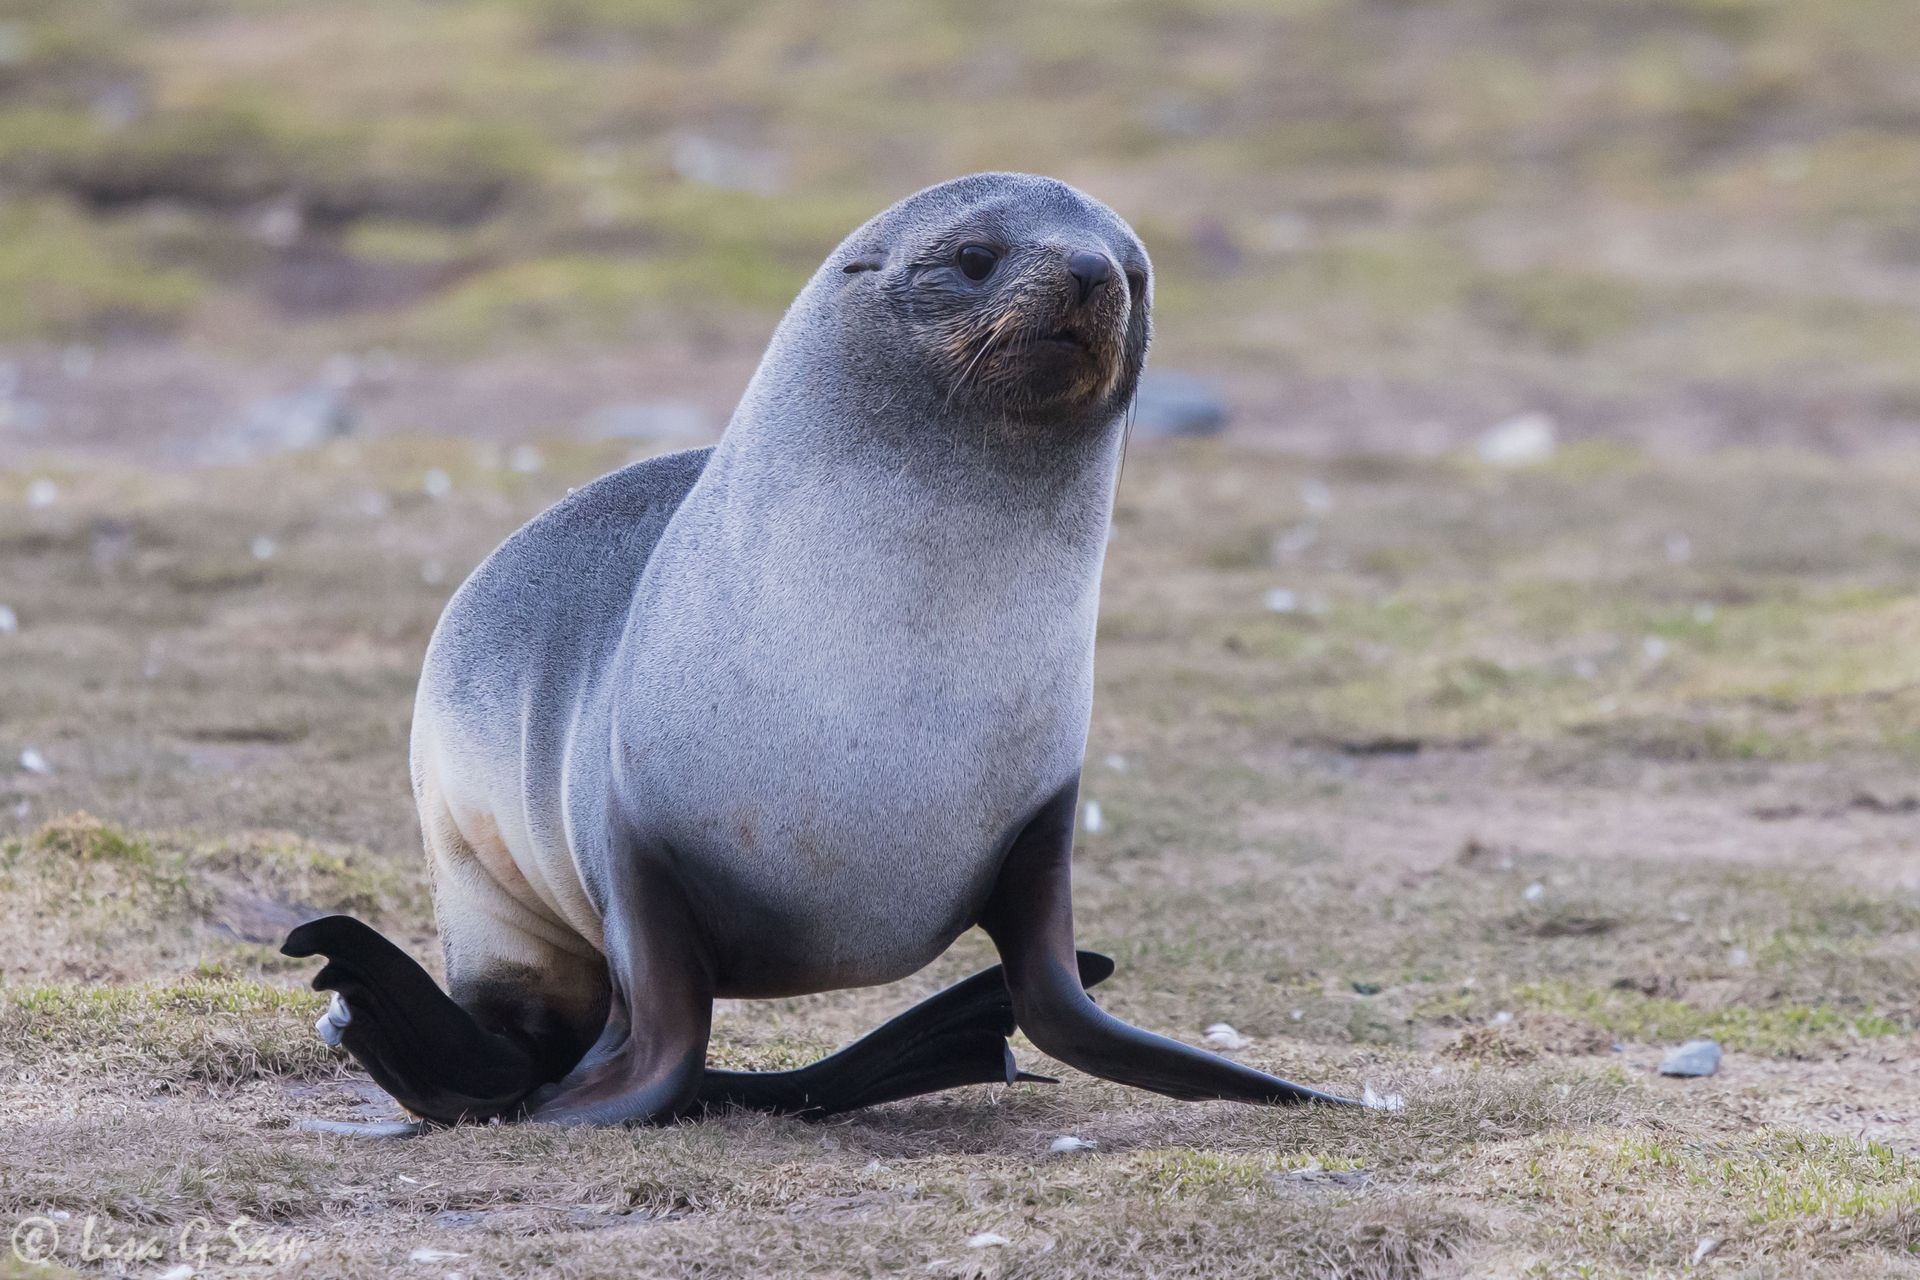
819	674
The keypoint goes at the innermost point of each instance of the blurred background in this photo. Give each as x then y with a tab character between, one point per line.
236	225
1511	671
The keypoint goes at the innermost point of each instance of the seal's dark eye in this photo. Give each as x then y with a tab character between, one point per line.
976	261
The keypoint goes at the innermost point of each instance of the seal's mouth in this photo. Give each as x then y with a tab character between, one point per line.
1038	354
1052	364
1066	339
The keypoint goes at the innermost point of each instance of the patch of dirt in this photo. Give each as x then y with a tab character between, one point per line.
1420	813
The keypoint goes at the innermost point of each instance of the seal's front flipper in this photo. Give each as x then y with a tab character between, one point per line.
645	1067
957	1037
412	1038
1030	919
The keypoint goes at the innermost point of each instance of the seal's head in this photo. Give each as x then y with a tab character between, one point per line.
1013	296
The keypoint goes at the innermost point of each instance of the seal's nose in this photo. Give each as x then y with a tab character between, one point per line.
1090	270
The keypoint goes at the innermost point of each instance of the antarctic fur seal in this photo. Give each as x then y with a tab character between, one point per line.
792	713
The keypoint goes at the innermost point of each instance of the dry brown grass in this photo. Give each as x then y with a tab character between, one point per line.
1359	833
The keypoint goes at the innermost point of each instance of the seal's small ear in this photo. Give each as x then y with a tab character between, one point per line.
868	257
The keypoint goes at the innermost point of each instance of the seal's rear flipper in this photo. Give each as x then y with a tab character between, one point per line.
958	1037
413	1039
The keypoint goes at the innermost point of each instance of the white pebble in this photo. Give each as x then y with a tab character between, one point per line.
1655	649
1067	1144
33	762
1281	600
9	621
1116	762
1502	1018
1534	892
437	483
432	572
183	1271
264	547
1524	441
1223	1037
1381	1101
1315	495
1092	820
42	494
987	1240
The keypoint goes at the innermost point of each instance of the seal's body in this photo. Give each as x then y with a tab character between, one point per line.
782	754
793	713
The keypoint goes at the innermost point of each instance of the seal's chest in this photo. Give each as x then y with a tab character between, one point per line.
864	895
857	855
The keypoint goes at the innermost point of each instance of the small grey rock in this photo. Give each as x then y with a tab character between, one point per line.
1694	1058
1178	404
301	420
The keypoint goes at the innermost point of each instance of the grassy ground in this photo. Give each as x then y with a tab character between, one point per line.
1542	771
1663	218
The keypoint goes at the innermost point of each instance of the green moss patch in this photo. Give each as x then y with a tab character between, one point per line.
218	1032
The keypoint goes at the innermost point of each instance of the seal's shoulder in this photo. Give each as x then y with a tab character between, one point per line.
571	571
619	515
641	491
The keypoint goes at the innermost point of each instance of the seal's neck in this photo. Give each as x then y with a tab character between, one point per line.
868	458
